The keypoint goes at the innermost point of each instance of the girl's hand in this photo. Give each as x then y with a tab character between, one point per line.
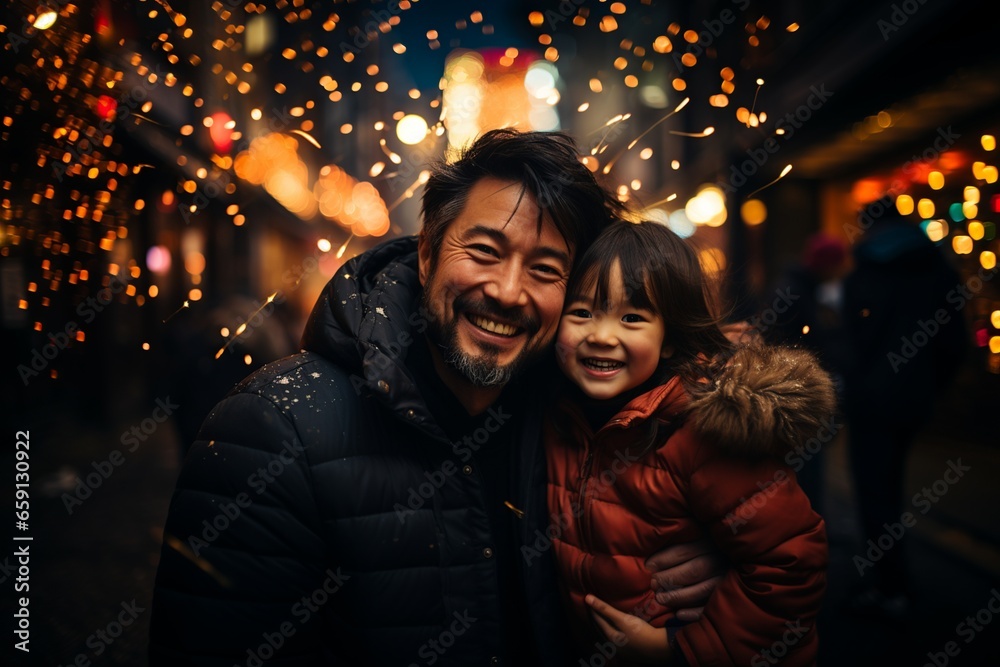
636	639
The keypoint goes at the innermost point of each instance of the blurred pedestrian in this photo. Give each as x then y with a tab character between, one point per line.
811	292
906	342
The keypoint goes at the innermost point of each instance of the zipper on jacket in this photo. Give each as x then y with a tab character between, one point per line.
586	468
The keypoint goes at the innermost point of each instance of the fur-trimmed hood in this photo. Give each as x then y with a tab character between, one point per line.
766	401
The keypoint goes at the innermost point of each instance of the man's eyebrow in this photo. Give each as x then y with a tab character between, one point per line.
501	238
494	234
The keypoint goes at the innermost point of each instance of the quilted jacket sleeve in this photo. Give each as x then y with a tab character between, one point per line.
242	557
764	610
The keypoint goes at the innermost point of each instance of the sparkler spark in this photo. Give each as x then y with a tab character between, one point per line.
243	327
607	168
784	172
187	304
696	135
308	137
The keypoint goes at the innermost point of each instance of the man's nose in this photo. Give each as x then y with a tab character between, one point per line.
506	286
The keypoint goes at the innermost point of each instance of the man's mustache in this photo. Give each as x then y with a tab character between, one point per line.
489	308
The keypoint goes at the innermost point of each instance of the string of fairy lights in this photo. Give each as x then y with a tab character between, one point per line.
77	88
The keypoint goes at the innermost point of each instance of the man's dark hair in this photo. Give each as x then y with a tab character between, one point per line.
546	164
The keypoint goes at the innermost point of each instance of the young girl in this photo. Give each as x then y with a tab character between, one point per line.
671	435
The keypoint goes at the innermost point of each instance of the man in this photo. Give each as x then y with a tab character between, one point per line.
379	499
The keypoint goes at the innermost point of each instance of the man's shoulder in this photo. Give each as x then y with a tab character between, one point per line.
305	374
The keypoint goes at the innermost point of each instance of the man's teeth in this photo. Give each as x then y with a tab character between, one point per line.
493	327
603	364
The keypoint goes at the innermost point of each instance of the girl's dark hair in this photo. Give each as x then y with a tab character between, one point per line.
546	164
660	272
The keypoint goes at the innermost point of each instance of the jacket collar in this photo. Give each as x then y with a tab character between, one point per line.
367	319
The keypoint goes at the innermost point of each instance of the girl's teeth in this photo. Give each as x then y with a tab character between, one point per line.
603	365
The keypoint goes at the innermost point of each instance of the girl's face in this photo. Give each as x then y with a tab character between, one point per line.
608	352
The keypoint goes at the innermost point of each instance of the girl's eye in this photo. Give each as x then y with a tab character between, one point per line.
633	317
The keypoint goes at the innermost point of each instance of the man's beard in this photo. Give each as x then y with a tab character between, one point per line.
481	370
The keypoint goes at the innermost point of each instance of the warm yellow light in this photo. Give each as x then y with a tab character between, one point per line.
990	174
45	19
976	230
995	319
925	208
989	142
987	259
935	179
962	245
977	169
995	344
937	230
324	245
969	210
904	204
753	212
707	207
411	129
971	193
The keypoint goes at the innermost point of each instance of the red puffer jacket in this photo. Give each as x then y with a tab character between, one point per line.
715	472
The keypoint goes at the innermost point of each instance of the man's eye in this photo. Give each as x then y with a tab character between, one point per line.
485	249
549	270
579	312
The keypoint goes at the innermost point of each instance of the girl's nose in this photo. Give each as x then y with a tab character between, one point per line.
603	334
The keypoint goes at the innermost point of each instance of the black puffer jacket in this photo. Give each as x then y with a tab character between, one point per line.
290	535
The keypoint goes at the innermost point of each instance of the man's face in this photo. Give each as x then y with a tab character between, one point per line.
495	290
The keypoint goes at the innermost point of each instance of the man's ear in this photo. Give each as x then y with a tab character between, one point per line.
423	258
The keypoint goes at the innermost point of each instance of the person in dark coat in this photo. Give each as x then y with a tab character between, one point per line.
371	501
811	294
906	341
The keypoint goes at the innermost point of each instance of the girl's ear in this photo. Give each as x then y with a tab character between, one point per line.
668	351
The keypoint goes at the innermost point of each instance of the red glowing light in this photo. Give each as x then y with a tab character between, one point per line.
105	107
221	132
